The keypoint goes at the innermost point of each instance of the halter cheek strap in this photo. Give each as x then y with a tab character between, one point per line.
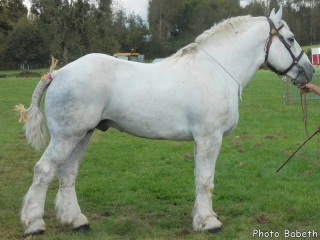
275	32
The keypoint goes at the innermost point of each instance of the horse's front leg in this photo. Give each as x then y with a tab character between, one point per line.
206	153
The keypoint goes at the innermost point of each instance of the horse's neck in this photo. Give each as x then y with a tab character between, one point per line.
242	54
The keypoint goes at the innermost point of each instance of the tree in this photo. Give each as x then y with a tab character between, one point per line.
255	8
102	38
75	27
25	45
137	32
162	16
119	29
272	5
198	16
10	12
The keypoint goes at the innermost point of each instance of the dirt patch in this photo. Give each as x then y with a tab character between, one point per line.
49	216
287	152
241	164
247	136
106	214
262	219
188	156
291	210
176	144
183	232
241	150
271	137
95	217
236	143
309	172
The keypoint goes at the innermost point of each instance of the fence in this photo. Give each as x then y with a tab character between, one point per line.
292	93
22	67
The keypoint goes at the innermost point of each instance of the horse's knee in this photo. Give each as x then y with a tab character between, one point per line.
44	173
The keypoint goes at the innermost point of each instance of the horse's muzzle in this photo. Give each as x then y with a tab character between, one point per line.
305	74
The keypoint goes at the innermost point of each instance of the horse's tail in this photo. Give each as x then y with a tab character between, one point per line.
35	128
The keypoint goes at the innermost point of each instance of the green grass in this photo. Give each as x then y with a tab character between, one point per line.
133	188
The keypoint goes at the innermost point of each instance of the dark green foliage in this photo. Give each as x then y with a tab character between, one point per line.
29	74
26	45
71	29
10	12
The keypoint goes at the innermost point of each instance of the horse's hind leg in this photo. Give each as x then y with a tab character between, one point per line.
67	207
44	171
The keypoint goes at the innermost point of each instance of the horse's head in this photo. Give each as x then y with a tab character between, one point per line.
284	55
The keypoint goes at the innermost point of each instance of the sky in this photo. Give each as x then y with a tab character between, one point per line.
139	7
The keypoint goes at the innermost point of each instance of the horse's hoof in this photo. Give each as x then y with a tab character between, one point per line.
37	233
82	229
214	230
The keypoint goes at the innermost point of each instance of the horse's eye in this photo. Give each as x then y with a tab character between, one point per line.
291	40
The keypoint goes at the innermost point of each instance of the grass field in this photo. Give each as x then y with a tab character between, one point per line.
133	188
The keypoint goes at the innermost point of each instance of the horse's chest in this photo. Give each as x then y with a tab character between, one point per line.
230	120
226	114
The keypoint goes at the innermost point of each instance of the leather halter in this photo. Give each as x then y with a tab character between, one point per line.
275	32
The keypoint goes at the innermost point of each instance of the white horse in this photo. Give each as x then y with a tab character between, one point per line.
190	96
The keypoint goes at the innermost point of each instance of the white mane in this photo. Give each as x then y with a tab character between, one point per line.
223	27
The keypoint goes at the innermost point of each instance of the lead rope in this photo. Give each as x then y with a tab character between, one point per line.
305	117
298	149
317	154
240	85
303	100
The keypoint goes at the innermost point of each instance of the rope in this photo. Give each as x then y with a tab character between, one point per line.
303	101
240	85
305	117
301	145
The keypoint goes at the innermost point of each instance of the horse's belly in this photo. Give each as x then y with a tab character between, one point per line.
146	132
149	124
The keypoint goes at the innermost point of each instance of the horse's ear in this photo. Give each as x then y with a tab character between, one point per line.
278	16
272	14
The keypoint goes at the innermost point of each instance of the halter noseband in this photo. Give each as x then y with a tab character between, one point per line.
275	32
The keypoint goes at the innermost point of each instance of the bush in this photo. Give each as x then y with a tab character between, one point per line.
28	74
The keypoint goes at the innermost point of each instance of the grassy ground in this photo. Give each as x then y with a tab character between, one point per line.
132	188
